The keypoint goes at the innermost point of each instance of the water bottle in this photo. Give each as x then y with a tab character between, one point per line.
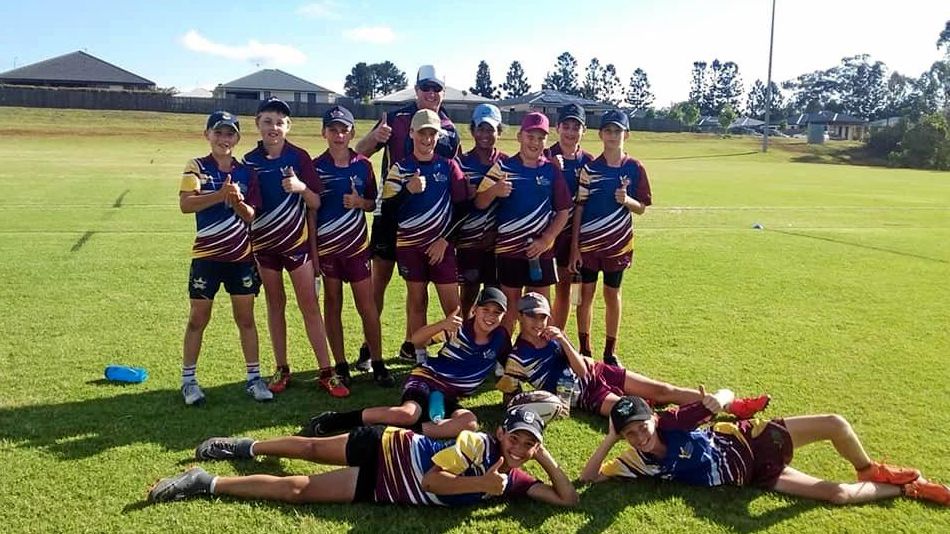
534	266
125	373
576	290
565	389
436	406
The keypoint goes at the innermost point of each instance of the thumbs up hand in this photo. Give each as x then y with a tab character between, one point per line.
231	192
291	183
452	322
416	183
621	193
383	131
502	186
495	482
353	200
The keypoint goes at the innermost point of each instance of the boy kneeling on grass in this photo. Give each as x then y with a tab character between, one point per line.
672	445
388	465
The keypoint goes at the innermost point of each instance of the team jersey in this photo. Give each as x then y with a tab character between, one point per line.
405	457
536	194
221	234
478	225
462	364
710	455
399	146
281	225
540	367
342	231
606	226
571	169
424	217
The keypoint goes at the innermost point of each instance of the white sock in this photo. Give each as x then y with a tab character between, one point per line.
214	482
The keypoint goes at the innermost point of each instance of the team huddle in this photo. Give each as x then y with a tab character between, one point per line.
493	233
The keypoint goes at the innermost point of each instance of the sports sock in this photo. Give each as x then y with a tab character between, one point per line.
212	485
253	371
609	346
343	421
378	366
188	374
584	338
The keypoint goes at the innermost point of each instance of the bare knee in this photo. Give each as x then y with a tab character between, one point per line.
295	489
198	320
466	420
406	415
838	494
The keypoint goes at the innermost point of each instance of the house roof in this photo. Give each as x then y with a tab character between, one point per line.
274	80
197	92
74	67
824	117
451	95
550	97
746	122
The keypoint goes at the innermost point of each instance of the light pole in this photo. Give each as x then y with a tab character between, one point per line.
768	86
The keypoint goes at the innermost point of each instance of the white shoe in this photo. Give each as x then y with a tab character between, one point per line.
192	394
499	370
258	390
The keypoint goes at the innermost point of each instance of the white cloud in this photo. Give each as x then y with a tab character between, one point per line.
270	54
327	9
371	34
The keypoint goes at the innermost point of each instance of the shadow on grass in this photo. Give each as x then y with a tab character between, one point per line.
704	156
860	245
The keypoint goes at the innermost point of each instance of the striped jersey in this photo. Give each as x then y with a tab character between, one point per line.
571	169
341	231
606	226
541	367
479	225
424	217
221	234
462	365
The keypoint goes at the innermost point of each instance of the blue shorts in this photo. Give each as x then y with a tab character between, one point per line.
207	275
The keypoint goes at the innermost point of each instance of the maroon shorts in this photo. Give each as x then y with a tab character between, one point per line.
772	449
476	266
514	272
562	249
350	269
417	389
276	262
602	380
605	264
414	266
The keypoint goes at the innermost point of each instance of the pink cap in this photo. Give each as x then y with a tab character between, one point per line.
535	121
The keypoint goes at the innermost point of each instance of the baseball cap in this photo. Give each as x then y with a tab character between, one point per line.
274	104
222	118
615	116
426	118
534	303
571	111
492	294
524	419
629	409
427	73
486	113
338	114
535	121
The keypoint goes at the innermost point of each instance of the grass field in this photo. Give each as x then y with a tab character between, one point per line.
842	304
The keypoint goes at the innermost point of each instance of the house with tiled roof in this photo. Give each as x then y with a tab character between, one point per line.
267	83
76	70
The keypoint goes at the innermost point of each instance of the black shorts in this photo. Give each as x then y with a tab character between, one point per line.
382	240
418	390
514	272
612	279
206	276
362	450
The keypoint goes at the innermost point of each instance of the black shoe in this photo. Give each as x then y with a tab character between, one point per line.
407	351
315	427
343	371
611	359
224	449
363	361
195	481
382	376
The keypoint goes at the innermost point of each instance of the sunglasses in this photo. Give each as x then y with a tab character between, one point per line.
429	88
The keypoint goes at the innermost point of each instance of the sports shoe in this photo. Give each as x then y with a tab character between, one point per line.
746	407
612	359
343	371
195	481
407	351
280	381
383	377
334	386
363	361
888	474
314	427
224	449
192	394
257	389
928	491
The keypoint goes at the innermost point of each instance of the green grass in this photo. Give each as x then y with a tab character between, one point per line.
839	305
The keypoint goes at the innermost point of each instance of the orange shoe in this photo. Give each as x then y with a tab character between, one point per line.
928	491
746	407
280	381
334	386
888	474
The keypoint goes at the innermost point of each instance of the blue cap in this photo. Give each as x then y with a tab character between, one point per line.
338	114
572	111
615	116
274	104
486	113
222	118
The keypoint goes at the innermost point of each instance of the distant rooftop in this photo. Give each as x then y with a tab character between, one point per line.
76	68
275	80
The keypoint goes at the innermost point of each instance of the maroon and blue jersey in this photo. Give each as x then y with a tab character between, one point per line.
281	225
537	193
424	217
341	231
462	365
221	234
571	170
607	226
541	367
479	225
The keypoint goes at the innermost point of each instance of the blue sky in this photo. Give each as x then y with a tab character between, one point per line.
194	44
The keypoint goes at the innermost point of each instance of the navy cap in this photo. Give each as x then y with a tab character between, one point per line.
522	418
571	111
492	294
615	116
274	104
338	114
628	410
222	118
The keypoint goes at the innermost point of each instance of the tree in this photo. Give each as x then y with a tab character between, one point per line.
639	95
758	95
726	117
360	83
698	84
389	78
516	83
593	86
725	87
483	85
926	144
690	114
564	76
944	40
612	88
862	86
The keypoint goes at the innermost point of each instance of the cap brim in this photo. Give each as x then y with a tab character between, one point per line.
502	305
429	127
221	124
621	125
531	429
537	311
341	121
488	120
431	80
578	118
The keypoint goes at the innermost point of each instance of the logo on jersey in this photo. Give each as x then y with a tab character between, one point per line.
439	177
686	451
489	354
543	180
